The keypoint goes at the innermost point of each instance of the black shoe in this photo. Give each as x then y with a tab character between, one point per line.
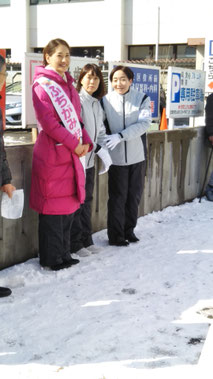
119	243
132	238
72	261
5	291
63	265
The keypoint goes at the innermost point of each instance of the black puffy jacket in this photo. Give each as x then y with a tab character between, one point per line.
209	115
5	174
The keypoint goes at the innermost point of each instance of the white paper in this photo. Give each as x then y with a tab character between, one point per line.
12	208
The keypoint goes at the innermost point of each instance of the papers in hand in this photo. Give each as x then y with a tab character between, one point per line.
12	208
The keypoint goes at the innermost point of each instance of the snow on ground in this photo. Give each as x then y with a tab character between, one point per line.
127	312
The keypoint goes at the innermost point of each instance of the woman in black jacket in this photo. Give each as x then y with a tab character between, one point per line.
5	174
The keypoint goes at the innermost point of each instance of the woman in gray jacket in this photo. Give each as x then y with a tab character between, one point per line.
91	89
128	115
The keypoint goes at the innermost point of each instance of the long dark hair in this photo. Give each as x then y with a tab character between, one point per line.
95	70
51	47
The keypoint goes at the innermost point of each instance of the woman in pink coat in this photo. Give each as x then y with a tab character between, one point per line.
58	179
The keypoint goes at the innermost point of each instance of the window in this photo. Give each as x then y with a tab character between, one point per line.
140	52
35	2
89	52
4	2
185	51
164	52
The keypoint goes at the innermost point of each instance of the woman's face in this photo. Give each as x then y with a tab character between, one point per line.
3	76
120	82
90	82
59	60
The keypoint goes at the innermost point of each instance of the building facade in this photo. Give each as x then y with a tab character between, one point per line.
146	30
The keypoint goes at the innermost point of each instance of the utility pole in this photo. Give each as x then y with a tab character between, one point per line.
158	34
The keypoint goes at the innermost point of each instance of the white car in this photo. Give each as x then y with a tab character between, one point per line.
13	107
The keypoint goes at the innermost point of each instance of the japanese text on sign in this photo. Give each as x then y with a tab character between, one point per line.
185	93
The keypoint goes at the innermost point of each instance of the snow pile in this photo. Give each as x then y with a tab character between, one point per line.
128	312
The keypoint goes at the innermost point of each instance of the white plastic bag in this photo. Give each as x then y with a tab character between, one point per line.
12	208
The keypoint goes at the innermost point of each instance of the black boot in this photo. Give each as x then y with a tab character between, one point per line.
5	291
132	237
119	242
66	264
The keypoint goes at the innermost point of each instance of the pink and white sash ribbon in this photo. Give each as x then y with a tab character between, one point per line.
63	107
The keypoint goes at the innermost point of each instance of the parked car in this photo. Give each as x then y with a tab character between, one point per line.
13	104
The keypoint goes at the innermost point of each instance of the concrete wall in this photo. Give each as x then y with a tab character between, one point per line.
176	167
18	238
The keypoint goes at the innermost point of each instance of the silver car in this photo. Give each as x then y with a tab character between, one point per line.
13	104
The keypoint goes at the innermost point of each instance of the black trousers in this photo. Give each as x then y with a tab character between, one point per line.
125	184
54	238
81	231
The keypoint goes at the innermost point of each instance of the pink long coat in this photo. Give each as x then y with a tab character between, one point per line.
58	180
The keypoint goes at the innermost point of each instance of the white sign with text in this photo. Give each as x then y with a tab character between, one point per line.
185	93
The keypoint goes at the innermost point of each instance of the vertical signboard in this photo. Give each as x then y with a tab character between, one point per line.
209	65
147	80
185	93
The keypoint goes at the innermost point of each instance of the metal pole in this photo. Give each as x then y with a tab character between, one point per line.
207	169
158	35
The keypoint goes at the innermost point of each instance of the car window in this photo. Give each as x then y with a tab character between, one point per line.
14	87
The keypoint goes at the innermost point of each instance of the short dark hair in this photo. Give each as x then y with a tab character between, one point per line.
51	47
95	70
129	73
2	62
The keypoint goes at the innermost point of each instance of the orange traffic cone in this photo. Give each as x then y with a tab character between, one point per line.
163	122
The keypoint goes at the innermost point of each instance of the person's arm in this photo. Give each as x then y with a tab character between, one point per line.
140	127
134	130
209	117
6	175
102	128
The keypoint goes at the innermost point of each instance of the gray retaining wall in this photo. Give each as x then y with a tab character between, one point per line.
176	163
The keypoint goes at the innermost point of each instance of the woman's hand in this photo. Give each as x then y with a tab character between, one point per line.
8	188
86	149
81	150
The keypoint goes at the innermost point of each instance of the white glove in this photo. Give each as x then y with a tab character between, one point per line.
106	160
112	140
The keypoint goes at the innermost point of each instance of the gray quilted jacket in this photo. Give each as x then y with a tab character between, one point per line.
130	116
92	116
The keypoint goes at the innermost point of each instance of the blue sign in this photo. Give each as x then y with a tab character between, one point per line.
210	47
147	80
176	80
